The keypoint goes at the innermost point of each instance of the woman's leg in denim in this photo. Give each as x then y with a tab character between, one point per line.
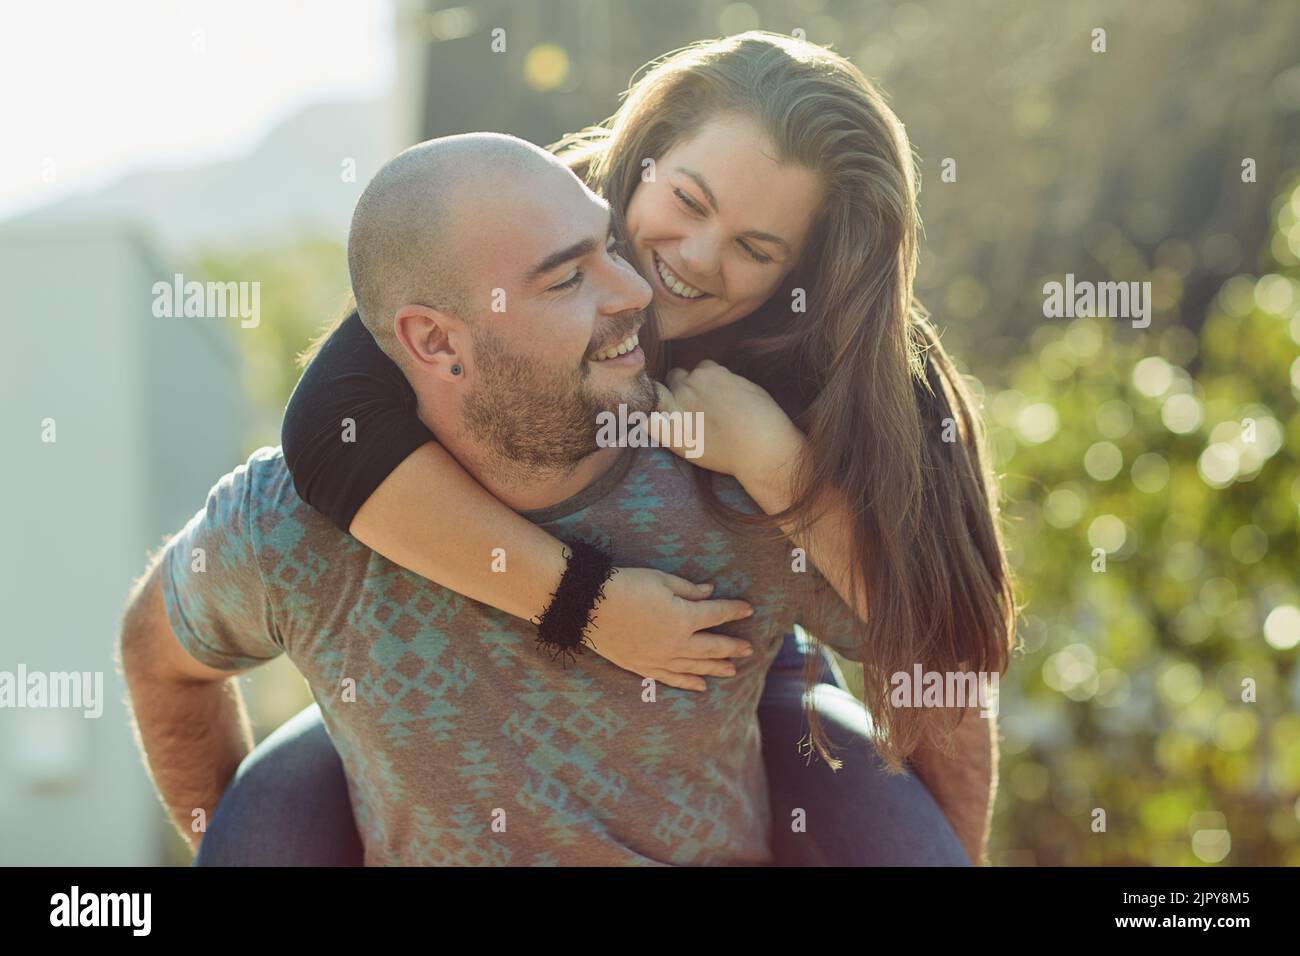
287	805
859	815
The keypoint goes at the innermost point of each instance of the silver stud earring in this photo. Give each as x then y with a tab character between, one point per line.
455	369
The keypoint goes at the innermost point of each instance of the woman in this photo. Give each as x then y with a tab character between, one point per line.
766	191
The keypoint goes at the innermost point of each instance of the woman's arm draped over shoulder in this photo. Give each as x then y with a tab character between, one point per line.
359	453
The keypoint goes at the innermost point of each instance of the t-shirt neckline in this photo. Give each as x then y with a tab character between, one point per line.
613	475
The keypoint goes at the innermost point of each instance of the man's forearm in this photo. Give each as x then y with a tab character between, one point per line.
964	784
193	737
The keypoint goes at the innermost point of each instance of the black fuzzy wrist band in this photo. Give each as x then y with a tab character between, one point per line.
562	628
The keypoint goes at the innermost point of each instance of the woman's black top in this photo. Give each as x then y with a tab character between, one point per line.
350	421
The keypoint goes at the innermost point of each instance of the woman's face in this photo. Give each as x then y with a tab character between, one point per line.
720	227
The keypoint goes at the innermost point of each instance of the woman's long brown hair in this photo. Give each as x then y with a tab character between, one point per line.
891	425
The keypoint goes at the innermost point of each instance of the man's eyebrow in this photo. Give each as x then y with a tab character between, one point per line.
713	201
577	250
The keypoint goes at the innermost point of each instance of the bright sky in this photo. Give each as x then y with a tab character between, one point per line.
102	88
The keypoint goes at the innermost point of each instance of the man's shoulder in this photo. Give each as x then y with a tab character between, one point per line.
260	506
262	476
267	462
262	489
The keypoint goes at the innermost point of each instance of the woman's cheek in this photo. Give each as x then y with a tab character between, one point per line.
756	289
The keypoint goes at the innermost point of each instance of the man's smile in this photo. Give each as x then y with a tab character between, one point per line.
622	348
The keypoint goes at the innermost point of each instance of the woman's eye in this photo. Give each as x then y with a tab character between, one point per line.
569	283
755	254
687	201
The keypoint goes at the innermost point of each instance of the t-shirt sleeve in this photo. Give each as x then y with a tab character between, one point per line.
212	583
350	421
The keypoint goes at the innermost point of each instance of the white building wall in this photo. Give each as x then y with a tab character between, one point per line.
148	414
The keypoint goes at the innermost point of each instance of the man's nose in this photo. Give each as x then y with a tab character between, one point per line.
630	291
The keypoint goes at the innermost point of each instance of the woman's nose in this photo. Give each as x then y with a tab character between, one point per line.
699	254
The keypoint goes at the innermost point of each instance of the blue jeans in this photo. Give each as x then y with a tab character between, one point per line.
288	802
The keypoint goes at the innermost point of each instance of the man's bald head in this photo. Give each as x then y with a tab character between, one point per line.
402	248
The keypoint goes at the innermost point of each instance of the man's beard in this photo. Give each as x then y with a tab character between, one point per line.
533	419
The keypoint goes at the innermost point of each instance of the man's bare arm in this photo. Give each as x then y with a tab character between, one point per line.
965	783
189	719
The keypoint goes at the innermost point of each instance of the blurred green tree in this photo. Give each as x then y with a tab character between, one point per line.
1154	518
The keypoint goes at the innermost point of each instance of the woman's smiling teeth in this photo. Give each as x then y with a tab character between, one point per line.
627	345
671	280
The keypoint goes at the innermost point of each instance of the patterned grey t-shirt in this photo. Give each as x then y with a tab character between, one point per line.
465	744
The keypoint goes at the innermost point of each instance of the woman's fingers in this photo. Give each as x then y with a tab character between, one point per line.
667	400
659	424
707	645
687	589
703	668
680	681
703	653
717	611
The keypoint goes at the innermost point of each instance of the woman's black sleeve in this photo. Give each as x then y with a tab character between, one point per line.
337	466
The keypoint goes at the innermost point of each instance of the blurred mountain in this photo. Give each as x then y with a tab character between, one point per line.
292	183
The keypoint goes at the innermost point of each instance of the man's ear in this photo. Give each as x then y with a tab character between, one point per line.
432	340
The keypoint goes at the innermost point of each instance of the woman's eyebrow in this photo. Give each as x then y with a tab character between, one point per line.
704	186
713	202
767	237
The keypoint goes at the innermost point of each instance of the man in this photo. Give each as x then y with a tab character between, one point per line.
461	743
